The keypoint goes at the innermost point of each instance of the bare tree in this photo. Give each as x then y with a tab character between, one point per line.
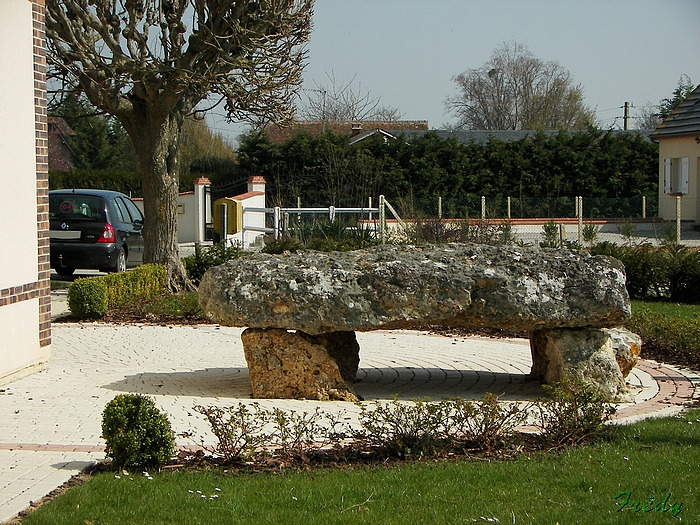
149	63
648	117
338	102
516	90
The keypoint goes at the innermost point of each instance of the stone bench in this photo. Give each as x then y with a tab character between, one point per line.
302	310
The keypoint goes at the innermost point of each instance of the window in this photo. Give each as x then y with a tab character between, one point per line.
676	174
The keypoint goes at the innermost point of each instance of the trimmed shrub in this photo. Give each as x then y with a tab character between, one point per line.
142	282
667	338
137	434
670	272
92	297
88	299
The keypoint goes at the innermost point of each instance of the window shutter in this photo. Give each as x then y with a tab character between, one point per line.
667	176
684	175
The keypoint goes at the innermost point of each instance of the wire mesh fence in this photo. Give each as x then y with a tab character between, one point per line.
474	206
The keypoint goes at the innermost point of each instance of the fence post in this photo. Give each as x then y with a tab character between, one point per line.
483	208
382	219
644	206
285	225
331	213
579	215
508	206
276	222
370	208
678	219
299	207
439	207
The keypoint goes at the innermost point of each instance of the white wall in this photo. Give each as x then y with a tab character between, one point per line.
18	208
24	301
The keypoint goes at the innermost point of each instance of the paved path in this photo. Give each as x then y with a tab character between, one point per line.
51	420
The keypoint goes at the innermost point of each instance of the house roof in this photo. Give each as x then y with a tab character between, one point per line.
316	127
684	120
508	135
359	137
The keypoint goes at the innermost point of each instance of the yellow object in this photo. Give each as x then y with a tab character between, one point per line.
234	215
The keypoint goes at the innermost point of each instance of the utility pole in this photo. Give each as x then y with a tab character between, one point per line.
626	116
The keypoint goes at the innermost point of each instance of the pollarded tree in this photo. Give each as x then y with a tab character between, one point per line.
149	63
516	90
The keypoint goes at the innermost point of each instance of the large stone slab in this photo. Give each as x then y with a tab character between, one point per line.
405	286
302	310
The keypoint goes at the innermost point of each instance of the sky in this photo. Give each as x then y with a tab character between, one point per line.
407	51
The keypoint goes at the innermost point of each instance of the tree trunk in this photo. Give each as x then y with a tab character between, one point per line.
156	141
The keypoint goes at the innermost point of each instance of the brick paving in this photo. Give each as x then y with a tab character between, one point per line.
51	420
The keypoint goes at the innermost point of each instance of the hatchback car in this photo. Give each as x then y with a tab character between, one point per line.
94	229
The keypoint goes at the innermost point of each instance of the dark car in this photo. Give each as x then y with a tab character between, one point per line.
94	229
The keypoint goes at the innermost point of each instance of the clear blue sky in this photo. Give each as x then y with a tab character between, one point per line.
407	51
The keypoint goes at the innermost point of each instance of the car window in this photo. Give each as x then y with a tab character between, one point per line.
89	208
133	211
121	210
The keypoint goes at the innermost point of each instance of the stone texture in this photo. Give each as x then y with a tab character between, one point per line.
587	353
293	365
567	300
402	287
627	347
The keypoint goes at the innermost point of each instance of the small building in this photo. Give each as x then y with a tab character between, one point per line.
679	160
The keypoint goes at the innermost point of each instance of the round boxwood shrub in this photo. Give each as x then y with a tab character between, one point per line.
137	434
88	298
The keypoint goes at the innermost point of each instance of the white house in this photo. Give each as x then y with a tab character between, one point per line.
25	298
679	159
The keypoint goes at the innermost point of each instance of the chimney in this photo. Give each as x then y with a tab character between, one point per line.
356	128
256	183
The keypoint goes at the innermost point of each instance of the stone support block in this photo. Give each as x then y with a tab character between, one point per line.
586	353
295	365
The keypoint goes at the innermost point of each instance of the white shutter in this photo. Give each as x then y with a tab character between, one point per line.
684	175
668	165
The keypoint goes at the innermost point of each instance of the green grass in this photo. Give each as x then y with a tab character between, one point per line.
650	459
681	311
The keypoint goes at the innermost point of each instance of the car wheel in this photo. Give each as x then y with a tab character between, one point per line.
65	272
120	265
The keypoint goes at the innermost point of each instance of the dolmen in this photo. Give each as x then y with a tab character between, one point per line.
302	310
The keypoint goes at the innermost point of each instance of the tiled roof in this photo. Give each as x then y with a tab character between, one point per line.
684	120
315	128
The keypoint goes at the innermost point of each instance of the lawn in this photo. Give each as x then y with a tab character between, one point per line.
685	312
652	463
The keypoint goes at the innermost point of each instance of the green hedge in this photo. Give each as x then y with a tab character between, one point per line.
93	297
670	272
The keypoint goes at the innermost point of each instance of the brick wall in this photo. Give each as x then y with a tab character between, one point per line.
42	173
